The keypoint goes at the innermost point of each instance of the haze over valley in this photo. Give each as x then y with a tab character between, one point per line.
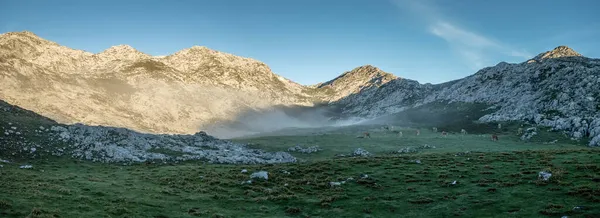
396	108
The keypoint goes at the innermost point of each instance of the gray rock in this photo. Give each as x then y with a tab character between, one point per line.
361	152
333	184
26	167
260	175
308	150
544	175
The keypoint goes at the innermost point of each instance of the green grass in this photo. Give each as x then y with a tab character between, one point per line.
496	184
344	141
494	179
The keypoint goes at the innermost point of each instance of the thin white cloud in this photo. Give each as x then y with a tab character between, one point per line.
474	48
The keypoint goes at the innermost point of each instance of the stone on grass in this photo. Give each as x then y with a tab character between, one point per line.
529	133
26	167
244	171
260	175
361	152
308	150
333	184
544	175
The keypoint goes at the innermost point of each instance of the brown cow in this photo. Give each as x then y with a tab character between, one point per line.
367	135
494	137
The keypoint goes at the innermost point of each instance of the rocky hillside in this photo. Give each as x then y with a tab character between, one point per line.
353	82
558	88
25	134
199	88
123	87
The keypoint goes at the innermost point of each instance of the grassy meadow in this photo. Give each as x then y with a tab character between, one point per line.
464	176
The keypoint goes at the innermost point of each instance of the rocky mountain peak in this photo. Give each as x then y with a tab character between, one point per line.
194	51
22	33
362	74
356	80
124	52
558	52
24	38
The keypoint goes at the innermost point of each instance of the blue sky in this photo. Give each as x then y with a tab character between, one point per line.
312	41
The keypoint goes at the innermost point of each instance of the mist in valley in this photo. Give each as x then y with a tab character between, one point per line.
274	119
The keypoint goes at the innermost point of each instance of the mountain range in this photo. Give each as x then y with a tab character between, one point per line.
199	88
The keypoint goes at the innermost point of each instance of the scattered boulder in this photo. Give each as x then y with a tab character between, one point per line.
415	149
247	182
308	150
260	175
333	184
426	146
529	133
545	176
26	167
244	170
361	153
407	150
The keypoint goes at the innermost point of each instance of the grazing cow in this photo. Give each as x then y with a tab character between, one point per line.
499	126
463	131
367	135
399	133
520	131
434	129
494	137
444	133
418	132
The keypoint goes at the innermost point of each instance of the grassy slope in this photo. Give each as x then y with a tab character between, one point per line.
489	185
497	179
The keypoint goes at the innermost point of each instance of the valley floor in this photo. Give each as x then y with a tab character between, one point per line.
467	176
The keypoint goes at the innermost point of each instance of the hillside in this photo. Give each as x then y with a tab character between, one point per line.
557	88
25	135
203	89
123	87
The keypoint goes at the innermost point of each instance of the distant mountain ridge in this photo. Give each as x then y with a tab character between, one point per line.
197	87
123	87
558	88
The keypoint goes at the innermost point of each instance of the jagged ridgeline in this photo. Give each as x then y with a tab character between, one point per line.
202	89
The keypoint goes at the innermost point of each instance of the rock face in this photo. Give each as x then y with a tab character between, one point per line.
354	81
558	52
558	89
42	137
123	87
196	87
